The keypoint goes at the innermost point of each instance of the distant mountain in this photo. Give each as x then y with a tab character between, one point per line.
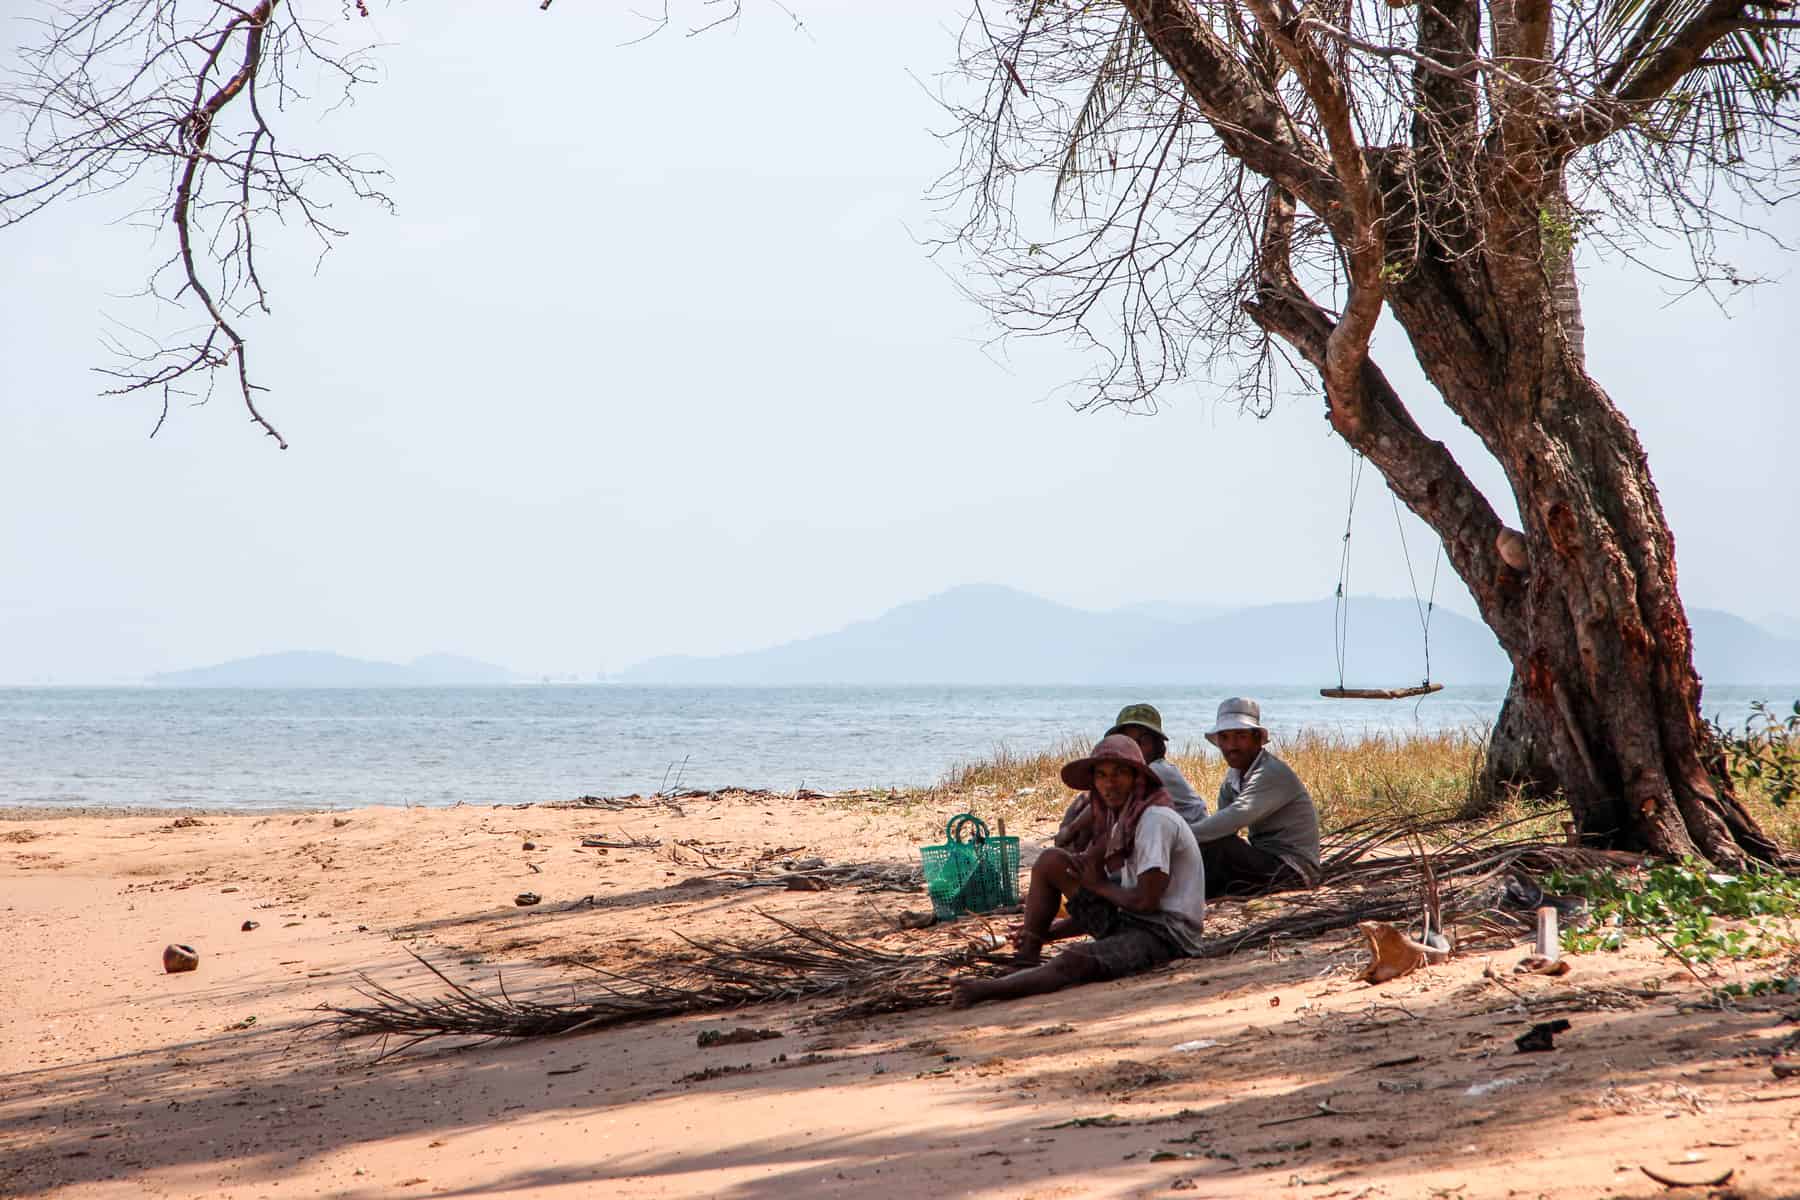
314	668
1175	611
974	634
1729	649
1780	624
984	634
989	634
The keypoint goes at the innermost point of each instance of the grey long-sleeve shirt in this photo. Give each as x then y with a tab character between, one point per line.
1271	803
1186	800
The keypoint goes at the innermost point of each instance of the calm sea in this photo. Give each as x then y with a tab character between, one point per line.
341	748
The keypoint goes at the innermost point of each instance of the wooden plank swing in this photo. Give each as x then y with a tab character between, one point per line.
1401	693
1341	624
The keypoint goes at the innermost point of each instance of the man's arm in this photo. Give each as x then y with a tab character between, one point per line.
1073	821
1188	802
1145	897
1260	793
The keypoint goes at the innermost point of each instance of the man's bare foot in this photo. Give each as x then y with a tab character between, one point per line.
1030	952
964	992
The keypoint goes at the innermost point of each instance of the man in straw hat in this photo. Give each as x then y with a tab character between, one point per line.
1150	914
1143	725
1262	796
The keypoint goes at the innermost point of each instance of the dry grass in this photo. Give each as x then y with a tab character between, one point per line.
1780	823
1351	778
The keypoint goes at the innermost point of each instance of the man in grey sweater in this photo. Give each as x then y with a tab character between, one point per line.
1262	796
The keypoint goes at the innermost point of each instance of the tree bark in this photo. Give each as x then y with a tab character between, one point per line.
1467	240
1607	692
1516	762
1605	689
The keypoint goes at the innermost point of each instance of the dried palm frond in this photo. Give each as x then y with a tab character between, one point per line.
1466	873
802	962
1125	67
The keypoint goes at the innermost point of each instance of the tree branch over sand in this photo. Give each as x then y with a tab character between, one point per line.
192	98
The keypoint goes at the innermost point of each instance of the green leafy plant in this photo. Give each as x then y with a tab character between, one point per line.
1559	232
1780	985
1765	754
1683	906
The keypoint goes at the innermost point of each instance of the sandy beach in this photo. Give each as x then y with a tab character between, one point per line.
1268	1073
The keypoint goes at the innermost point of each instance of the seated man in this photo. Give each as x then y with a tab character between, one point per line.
1261	795
1153	913
1143	725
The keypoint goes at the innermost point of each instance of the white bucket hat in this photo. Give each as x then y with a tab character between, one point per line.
1238	712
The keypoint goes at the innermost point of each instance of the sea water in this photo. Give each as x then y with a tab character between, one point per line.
342	748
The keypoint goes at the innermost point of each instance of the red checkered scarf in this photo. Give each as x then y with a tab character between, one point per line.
1100	831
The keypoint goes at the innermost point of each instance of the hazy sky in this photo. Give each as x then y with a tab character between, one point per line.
651	360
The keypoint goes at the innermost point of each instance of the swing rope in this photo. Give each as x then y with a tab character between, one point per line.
1424	608
1341	617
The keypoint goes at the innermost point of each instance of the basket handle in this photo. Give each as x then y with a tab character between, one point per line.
954	828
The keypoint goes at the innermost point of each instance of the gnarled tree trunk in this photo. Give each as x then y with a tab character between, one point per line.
1516	760
1605	689
1466	237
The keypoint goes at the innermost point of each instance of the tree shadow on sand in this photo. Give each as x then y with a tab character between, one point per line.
1407	1074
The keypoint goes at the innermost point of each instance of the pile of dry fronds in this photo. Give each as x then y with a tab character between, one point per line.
1380	870
801	963
1375	870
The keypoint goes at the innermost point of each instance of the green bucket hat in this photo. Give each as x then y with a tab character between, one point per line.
1144	716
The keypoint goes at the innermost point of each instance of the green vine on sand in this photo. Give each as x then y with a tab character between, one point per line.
1686	908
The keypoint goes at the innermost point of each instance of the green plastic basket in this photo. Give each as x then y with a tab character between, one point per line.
971	872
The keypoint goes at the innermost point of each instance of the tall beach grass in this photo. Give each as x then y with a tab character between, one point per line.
1351	777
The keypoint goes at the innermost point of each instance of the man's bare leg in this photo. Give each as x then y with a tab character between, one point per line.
1054	875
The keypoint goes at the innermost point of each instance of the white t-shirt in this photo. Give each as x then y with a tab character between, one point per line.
1165	843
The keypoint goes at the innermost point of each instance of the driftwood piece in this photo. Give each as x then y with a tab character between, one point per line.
1393	954
1668	1181
1338	693
628	843
1322	1109
708	1038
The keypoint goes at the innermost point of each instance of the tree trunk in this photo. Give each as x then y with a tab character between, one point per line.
1605	669
1474	238
1516	762
1604	684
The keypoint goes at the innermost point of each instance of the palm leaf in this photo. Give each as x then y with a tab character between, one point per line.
1741	83
1121	70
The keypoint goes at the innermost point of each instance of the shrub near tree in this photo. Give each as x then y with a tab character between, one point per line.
1249	180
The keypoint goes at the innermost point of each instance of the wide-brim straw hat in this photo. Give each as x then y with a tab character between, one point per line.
1239	712
1116	747
1144	716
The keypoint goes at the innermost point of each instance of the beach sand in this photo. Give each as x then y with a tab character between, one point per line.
118	1080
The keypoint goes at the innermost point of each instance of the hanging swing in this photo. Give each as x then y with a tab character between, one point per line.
1341	623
